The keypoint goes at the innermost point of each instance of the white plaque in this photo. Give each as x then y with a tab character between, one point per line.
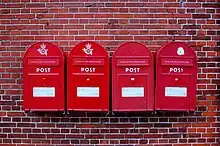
176	91
87	91
43	91
132	92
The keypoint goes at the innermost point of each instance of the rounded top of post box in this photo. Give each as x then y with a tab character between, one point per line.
132	49
43	49
88	49
179	49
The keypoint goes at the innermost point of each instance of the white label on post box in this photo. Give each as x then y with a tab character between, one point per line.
176	91
132	92
43	91
87	91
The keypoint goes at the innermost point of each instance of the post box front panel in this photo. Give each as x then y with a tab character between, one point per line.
132	78
175	91
43	90
176	78
89	91
88	79
43	78
89	83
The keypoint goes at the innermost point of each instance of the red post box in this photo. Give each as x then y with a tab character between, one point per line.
176	76
132	78
88	78
43	78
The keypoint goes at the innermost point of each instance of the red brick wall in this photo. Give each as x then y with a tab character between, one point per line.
110	22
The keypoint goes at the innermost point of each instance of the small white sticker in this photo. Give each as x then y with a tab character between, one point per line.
87	91
43	91
176	91
132	92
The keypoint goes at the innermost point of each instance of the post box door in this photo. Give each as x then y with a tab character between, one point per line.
43	78
88	89
132	89
43	87
175	90
132	78
176	78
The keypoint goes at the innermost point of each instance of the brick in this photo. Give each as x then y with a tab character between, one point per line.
114	136
36	136
152	135
211	5
17	136
191	27
55	136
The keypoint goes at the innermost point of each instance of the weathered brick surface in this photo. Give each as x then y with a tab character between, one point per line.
110	22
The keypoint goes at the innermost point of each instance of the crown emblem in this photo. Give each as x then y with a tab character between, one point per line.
180	51
42	50
88	50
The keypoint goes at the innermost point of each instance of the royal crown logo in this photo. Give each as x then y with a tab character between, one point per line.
42	50
180	51
88	50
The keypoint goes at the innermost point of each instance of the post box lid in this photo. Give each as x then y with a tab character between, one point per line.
176	50
44	50
132	49
88	49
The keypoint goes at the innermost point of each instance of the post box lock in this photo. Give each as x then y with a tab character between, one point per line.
43	81
132	79
176	79
87	79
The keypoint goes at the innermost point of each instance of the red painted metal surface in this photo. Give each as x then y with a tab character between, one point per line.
132	78
176	76
43	78
88	78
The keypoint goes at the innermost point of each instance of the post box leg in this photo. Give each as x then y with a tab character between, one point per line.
110	113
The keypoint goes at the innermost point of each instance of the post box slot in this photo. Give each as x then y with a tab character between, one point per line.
43	62
133	62
88	61
176	62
